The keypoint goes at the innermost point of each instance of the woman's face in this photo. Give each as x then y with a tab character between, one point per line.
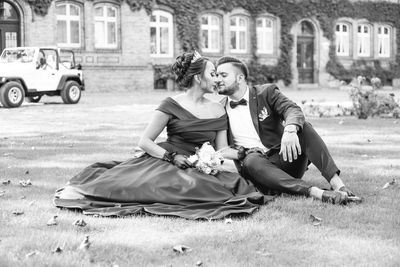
208	81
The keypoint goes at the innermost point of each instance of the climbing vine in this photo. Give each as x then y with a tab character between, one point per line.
186	14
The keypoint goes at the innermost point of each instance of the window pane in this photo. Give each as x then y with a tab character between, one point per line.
269	38
366	29
111	30
242	22
204	20
61	10
163	19
98	11
233	21
164	41
74	32
268	23
338	28
344	28
386	30
73	10
242	40
153	18
204	38
359	29
61	31
214	20
111	12
215	39
8	12
99	32
233	40
153	44
260	40
259	23
379	30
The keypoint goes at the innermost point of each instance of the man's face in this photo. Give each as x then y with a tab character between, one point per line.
227	79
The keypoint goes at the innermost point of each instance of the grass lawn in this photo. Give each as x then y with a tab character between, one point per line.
49	143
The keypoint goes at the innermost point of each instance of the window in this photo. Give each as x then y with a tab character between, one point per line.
68	25
342	39
210	33
105	27
265	36
383	41
161	35
238	29
364	40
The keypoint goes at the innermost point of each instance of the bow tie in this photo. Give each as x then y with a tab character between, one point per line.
234	104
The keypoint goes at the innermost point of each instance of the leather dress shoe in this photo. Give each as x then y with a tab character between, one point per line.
351	196
335	197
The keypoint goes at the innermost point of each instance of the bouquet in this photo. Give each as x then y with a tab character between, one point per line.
206	159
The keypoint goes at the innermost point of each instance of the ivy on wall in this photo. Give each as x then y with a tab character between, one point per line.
186	14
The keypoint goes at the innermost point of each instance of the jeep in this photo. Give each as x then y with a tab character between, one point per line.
31	72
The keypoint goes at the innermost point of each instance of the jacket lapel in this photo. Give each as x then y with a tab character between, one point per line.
253	105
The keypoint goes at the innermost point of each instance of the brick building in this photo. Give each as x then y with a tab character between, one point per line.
118	46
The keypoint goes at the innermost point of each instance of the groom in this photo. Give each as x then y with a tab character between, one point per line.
271	140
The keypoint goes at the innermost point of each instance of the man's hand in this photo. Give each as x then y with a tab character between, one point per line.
181	162
290	145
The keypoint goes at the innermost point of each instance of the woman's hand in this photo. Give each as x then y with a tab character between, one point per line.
181	162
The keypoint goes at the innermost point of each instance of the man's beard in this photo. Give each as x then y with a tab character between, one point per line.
228	90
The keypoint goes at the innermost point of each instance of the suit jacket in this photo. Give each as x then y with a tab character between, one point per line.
271	111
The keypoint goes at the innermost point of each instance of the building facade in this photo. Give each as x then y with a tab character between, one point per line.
126	47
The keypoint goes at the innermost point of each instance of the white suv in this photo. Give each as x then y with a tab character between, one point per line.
32	72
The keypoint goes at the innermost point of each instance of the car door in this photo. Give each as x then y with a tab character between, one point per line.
47	74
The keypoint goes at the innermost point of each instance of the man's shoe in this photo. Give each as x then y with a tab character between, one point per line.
335	197
348	191
351	196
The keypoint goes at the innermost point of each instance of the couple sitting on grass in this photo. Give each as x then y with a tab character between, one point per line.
259	128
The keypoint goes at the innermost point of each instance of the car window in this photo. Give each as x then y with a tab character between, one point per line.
17	55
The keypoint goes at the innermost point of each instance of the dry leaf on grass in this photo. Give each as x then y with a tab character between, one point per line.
6	182
33	253
2	193
181	249
389	184
57	250
341	122
85	243
52	221
27	172
199	263
80	223
316	221
17	212
25	183
31	203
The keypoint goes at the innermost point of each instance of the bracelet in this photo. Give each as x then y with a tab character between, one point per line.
290	131
169	156
242	153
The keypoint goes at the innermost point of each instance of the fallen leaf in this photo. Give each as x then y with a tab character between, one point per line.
17	212
6	182
33	253
364	156
316	221
31	203
395	122
25	183
181	249
57	250
27	172
199	263
52	221
341	122
228	221
369	140
80	223
85	243
33	148
2	193
387	185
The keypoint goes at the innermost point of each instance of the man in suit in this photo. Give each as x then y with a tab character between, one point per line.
271	142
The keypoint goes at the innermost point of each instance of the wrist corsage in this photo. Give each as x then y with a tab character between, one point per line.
206	159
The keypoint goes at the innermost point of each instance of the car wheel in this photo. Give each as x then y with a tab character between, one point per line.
71	93
12	95
34	99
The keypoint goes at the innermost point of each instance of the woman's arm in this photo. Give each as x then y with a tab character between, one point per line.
152	131
221	144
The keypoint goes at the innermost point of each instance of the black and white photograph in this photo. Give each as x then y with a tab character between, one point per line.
199	133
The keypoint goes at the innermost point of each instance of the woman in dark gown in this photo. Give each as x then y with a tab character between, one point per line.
160	182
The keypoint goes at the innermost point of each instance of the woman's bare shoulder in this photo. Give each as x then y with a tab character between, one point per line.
216	107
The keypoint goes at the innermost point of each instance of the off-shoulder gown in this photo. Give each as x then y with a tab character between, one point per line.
150	185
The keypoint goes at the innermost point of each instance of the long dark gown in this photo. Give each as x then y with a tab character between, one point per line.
151	185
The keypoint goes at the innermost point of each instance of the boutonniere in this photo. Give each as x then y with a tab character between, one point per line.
263	114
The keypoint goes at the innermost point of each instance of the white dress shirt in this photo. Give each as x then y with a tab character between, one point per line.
241	125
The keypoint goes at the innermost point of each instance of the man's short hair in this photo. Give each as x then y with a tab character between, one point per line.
235	62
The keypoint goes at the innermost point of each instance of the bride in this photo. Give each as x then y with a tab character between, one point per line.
162	181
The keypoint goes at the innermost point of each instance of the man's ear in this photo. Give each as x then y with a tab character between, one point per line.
240	78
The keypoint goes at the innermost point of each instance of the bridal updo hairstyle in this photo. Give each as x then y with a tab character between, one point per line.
185	69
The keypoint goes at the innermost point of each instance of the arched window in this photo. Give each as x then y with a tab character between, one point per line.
68	24
161	34
384	41
9	26
342	39
265	35
210	33
364	40
106	26
238	29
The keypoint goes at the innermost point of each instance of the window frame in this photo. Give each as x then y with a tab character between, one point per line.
339	39
158	25
382	37
264	30
237	29
67	18
209	27
106	19
361	37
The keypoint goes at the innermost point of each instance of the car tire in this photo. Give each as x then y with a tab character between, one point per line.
12	95
71	94
34	99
